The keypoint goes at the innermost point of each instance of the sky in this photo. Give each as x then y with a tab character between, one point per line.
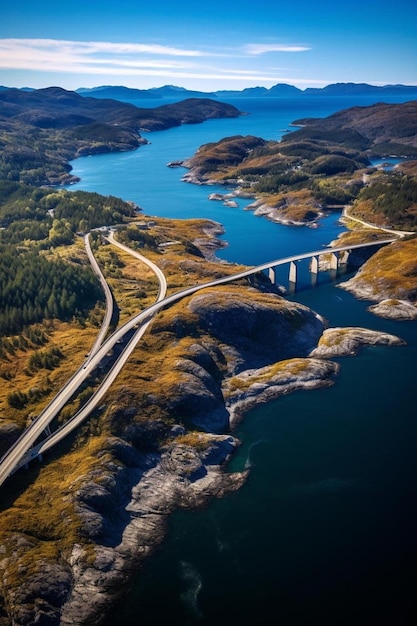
207	46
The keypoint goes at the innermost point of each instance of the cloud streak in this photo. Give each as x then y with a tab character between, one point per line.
263	48
141	60
50	55
39	46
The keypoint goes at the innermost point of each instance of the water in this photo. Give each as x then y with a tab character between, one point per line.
324	529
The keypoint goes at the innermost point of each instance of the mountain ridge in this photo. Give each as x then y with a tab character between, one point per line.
278	90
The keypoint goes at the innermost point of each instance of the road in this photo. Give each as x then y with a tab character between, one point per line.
398	233
107	292
17	453
16	456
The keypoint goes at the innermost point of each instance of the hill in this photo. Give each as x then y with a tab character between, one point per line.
170	92
380	123
42	130
320	165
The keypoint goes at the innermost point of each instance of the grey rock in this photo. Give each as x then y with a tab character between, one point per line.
392	308
348	341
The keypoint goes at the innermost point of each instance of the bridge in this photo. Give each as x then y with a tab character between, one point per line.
26	448
338	257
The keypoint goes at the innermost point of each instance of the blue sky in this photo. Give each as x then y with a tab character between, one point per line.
207	45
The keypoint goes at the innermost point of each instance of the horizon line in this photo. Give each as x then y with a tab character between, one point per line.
279	84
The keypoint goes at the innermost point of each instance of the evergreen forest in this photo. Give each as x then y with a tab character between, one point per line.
34	284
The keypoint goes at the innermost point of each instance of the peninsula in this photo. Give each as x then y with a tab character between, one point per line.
42	130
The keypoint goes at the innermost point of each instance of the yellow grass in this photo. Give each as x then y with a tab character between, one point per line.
288	368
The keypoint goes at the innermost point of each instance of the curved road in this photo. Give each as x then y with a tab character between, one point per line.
15	457
399	233
107	292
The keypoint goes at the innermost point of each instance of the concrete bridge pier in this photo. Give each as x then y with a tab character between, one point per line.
314	265
292	276
334	261
344	257
314	270
272	275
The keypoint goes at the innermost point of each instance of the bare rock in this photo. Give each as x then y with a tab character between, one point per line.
255	386
391	308
348	341
40	600
181	476
262	331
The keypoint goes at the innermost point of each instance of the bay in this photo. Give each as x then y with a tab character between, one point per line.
324	529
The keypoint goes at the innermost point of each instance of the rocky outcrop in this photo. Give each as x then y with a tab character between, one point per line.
283	214
347	341
391	308
123	507
389	278
257	331
125	531
245	351
256	386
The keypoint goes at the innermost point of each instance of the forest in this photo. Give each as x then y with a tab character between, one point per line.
35	286
395	197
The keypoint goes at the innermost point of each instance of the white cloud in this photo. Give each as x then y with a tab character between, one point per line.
262	48
79	57
95	47
99	58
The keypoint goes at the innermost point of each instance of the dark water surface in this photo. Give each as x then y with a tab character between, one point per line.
324	529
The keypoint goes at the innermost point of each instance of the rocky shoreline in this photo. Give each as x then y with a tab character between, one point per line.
394	293
386	306
281	214
124	504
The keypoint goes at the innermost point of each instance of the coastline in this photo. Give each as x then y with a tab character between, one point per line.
145	488
180	477
193	477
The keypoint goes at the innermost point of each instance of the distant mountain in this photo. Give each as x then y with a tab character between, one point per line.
173	93
116	93
360	89
2	88
155	93
251	92
279	90
283	90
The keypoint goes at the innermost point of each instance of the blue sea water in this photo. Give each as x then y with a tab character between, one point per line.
324	529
